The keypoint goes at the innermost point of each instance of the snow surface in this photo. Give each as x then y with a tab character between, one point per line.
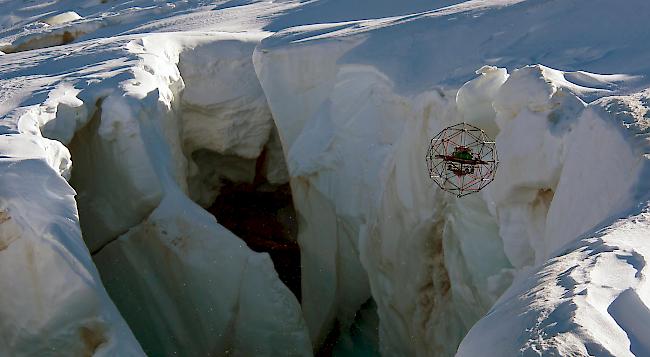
144	106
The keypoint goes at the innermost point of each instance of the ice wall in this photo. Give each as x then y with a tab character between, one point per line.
226	120
434	265
590	297
182	282
353	100
53	301
199	284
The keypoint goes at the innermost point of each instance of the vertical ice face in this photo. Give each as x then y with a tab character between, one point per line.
188	286
590	249
224	108
599	148
226	122
181	281
53	300
535	111
434	265
334	284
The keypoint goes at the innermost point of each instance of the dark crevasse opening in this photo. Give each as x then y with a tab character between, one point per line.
263	216
361	339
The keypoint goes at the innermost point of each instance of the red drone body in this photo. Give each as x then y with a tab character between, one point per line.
462	159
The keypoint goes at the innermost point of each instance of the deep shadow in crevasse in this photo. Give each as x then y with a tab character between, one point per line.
263	216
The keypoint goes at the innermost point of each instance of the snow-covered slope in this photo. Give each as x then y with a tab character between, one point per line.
144	107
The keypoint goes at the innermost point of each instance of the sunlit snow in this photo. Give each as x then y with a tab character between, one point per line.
122	123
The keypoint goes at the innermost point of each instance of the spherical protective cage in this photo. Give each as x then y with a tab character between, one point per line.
462	178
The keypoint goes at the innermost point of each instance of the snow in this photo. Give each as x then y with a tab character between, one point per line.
155	217
351	102
145	107
62	18
50	284
209	293
122	124
568	302
572	304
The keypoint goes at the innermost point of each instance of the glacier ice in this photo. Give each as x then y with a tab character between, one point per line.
130	173
202	282
571	303
548	259
52	297
350	111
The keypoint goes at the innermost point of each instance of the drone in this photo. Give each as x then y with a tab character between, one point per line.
462	159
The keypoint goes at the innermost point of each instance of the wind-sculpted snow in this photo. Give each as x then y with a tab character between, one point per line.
589	300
